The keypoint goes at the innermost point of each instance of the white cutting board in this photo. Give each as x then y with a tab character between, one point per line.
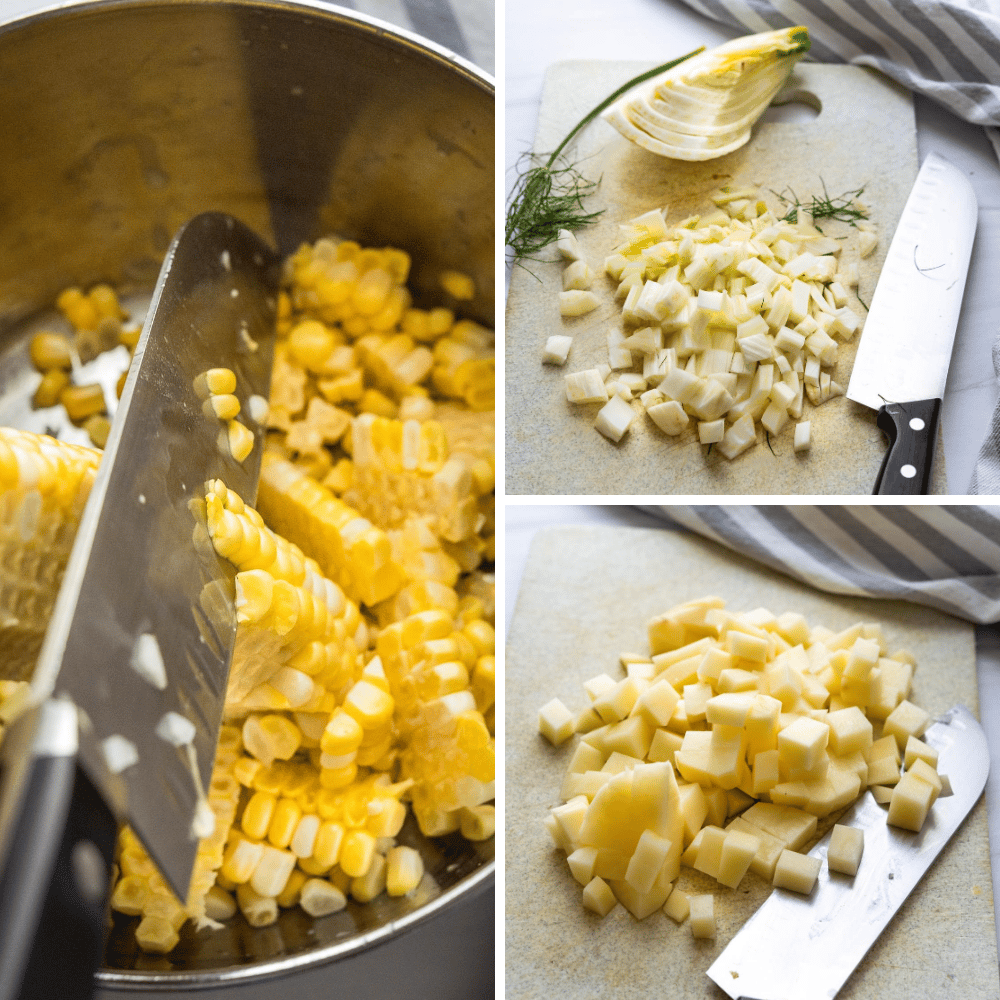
586	596
864	136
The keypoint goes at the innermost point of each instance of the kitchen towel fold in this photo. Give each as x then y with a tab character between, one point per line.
946	557
948	50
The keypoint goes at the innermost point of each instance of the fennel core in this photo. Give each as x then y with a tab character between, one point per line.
549	196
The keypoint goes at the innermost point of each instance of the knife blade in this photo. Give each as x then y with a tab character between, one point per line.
142	630
902	361
805	947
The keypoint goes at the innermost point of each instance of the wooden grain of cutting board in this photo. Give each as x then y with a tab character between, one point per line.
586	596
864	136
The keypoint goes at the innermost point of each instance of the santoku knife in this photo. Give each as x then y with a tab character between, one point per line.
902	361
805	947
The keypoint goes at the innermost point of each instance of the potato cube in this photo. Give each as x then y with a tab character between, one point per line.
850	731
658	702
664	745
767	854
797	872
677	906
710	851
694	809
844	852
598	686
910	803
882	794
922	770
918	750
702	911
570	816
581	864
801	744
766	771
792	826
730	708
664	634
738	850
886	746
631	736
717	800
746	646
883	771
904	721
597	896
647	861
556	722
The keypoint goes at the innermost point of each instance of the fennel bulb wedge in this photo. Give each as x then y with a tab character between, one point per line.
705	106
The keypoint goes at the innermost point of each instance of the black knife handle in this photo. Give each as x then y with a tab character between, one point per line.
912	432
55	872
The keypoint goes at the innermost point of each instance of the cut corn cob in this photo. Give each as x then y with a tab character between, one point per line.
44	486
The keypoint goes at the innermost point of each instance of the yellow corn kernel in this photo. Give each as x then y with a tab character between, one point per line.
439	322
326	847
310	343
371	291
369	886
272	871
50	351
215	381
130	895
369	705
82	401
482	636
373	401
77	309
50	388
343	734
289	896
223	406
458	285
477	822
286	818
319	898
356	853
271	737
98	427
484	682
240	859
105	301
303	841
154	934
404	870
386	818
239	440
259	911
332	778
219	904
246	769
165	906
257	815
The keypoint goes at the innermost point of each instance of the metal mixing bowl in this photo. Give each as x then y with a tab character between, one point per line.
121	120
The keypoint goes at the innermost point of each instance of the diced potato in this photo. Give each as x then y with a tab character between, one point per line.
597	896
556	722
847	844
677	906
702	914
797	872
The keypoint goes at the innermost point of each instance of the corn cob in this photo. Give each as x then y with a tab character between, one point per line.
44	486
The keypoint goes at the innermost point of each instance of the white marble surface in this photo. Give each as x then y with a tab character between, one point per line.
522	521
539	34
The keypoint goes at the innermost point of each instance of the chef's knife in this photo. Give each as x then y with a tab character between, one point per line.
142	631
902	361
805	947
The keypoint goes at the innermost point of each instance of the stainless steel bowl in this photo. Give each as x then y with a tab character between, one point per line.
122	119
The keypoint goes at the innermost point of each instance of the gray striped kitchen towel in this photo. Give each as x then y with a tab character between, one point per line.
946	557
465	27
946	49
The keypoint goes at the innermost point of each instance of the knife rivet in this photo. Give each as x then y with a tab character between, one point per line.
908	471
916	424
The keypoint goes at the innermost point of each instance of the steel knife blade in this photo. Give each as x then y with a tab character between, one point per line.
902	361
805	947
143	627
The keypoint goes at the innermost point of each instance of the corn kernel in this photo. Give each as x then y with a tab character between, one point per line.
50	388
320	898
82	401
259	911
257	815
283	823
50	351
458	285
343	734
289	896
404	870
367	887
356	853
223	406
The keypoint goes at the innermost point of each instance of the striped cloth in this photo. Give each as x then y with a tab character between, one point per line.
944	557
465	27
946	49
